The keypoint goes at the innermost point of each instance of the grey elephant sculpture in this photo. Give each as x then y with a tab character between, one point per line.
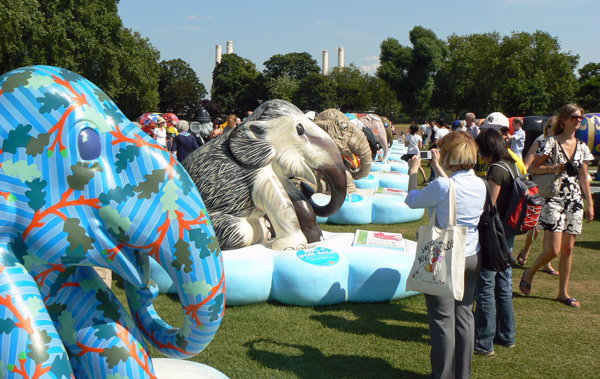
351	142
244	177
373	122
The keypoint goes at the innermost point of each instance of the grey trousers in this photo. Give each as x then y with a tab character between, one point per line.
452	328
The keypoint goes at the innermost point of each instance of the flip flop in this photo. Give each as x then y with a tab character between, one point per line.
571	302
525	287
521	261
552	272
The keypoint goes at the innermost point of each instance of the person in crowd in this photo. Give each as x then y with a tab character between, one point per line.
230	123
562	216
424	130
517	139
533	233
184	143
217	131
414	143
432	131
160	132
472	128
388	131
494	312
402	137
443	129
450	321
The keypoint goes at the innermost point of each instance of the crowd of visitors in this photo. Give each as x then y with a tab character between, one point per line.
177	135
485	316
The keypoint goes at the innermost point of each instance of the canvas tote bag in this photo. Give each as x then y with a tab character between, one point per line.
548	184
439	266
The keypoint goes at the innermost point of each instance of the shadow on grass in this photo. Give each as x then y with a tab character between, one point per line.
378	318
308	362
594	245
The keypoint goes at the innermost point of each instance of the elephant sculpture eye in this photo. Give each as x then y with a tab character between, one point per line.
300	129
89	144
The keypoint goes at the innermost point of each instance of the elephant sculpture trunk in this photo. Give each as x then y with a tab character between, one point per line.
336	182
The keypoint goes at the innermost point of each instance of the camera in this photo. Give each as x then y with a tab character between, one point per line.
425	154
571	169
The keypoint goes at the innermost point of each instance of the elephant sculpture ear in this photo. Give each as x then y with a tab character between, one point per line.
249	145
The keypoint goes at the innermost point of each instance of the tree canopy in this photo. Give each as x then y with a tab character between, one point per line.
86	37
179	88
410	71
589	87
235	84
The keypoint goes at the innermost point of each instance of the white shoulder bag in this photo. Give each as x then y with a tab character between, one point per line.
439	266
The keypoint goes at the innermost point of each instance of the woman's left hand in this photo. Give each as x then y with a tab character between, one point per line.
590	212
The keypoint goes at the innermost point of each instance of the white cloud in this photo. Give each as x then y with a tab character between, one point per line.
195	17
370	69
372	58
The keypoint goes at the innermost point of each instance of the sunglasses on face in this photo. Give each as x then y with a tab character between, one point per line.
575	118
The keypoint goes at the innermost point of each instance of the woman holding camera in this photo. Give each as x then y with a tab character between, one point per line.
562	215
451	322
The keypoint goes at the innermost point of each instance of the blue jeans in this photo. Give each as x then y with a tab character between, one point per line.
494	313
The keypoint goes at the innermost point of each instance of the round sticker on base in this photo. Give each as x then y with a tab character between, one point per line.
319	256
353	198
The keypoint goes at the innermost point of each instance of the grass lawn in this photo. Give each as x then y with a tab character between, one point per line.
391	340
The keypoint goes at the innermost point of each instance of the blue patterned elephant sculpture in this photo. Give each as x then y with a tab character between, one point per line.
82	186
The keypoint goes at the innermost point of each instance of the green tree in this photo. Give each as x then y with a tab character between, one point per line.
383	99
315	92
236	83
467	80
86	37
536	78
294	65
351	88
179	88
283	87
410	71
589	87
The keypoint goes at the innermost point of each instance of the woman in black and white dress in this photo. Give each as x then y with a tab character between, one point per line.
562	216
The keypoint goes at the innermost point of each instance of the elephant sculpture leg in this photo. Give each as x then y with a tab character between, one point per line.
30	344
271	196
99	334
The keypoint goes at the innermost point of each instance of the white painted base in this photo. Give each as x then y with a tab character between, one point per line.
167	368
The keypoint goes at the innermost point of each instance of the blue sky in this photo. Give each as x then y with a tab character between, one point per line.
259	29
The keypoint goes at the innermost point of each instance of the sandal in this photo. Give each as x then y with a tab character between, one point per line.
571	302
551	272
524	286
521	260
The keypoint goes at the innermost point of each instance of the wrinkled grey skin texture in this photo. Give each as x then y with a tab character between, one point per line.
350	141
373	122
244	178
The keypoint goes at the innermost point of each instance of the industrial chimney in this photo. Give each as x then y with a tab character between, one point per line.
229	47
218	54
325	62
340	57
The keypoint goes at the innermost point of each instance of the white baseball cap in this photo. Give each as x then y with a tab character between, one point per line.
495	121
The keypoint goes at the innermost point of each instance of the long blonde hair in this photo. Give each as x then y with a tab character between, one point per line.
564	112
